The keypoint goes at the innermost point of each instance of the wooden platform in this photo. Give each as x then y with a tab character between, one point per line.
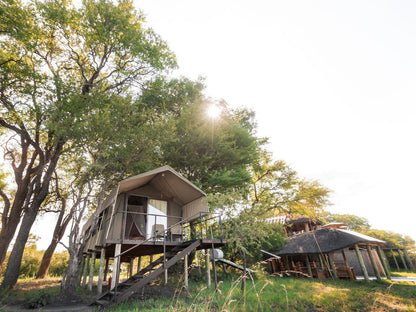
157	247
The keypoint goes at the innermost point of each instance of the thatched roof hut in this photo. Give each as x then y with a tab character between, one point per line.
331	252
325	240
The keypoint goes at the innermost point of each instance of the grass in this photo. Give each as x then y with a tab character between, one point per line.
262	293
286	294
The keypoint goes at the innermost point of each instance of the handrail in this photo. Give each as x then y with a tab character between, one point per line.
165	232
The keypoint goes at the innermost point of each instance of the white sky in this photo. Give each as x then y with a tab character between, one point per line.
332	84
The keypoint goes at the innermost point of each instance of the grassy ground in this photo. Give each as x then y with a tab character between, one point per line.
286	294
262	293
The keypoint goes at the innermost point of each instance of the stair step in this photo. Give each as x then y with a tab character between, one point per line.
102	302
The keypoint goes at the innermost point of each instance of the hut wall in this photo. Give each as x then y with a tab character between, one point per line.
174	213
355	264
117	221
193	209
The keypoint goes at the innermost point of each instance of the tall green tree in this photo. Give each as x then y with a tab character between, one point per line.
215	154
355	223
57	65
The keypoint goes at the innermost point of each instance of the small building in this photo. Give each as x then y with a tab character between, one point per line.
156	212
330	252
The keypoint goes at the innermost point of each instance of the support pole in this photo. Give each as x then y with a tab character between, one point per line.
402	258
395	260
332	265
373	262
81	271
106	268
91	277
139	264
308	265
116	266
384	262
360	259
101	272
185	271
409	261
85	273
208	271
131	267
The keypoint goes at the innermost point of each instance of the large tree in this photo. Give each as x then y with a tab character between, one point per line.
58	63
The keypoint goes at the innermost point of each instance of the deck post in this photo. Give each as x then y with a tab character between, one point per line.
116	266
308	265
185	271
332	265
101	272
81	270
84	274
131	267
106	268
139	264
373	262
208	271
402	258
406	255
384	262
360	259
395	260
91	277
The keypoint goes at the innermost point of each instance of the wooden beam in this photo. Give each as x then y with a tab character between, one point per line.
384	262
333	269
406	255
85	273
361	260
116	266
402	258
373	262
395	260
91	276
185	271
207	267
308	265
101	272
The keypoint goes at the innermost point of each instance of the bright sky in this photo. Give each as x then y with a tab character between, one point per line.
332	84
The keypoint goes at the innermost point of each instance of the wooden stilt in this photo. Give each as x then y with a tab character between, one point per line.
185	271
116	266
360	259
106	268
208	271
91	277
332	265
85	273
131	265
139	264
373	262
81	271
395	260
409	261
308	265
101	272
402	258
384	262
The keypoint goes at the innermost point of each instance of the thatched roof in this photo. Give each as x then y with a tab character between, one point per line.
303	220
324	241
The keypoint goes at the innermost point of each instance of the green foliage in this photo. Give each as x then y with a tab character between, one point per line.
394	240
354	223
31	261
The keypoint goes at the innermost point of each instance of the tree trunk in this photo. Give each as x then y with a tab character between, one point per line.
9	225
58	233
13	267
46	260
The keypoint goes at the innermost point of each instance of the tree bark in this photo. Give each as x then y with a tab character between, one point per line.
58	233
12	272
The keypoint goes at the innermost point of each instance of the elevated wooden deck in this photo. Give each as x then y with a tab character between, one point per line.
157	247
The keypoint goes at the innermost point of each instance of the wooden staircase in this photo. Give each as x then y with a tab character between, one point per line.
136	282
